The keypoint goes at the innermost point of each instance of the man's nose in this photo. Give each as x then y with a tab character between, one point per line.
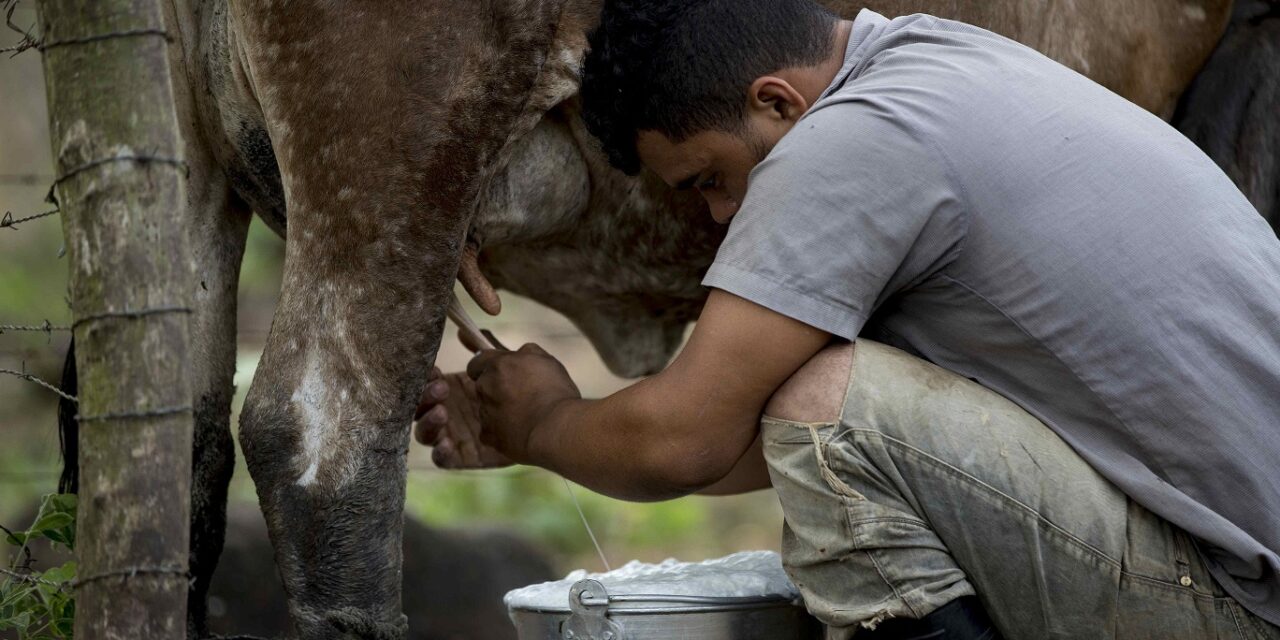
722	208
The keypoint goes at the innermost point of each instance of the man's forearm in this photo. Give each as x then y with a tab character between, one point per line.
669	435
632	447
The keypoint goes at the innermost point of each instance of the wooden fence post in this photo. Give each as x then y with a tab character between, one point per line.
121	186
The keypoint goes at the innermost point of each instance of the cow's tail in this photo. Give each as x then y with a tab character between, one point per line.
69	426
1232	109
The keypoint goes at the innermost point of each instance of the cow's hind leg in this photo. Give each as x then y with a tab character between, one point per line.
217	244
1231	109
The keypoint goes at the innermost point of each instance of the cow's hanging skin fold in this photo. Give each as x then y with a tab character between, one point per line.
475	282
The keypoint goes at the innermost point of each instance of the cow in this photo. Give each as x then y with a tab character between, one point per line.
401	145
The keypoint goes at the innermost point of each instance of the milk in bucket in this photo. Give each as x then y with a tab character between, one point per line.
744	596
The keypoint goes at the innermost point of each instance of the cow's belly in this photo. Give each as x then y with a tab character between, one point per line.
231	118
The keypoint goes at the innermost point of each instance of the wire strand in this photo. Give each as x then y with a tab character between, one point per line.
9	222
30	378
583	515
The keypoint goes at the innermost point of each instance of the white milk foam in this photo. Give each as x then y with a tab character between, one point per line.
747	573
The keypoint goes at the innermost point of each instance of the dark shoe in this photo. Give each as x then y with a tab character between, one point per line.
961	619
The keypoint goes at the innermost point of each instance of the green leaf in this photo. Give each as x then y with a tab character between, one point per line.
16	538
64	573
64	625
16	596
22	620
59	536
53	522
66	622
41	610
63	502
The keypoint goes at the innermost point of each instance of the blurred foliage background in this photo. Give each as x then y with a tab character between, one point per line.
530	502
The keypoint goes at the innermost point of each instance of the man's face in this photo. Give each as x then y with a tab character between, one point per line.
715	163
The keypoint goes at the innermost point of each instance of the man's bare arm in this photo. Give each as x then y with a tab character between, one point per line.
669	435
751	473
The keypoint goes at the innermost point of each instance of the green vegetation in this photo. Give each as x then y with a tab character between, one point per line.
40	605
536	503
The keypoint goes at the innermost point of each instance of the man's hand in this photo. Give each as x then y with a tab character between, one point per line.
674	433
448	420
517	391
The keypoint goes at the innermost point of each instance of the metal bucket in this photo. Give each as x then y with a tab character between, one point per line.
592	614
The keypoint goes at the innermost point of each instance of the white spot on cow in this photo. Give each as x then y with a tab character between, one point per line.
346	193
320	420
571	57
1195	12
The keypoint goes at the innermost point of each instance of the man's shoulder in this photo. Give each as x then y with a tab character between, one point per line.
844	138
922	60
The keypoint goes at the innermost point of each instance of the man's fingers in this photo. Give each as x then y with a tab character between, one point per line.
438	416
459	431
430	423
426	433
468	341
439	390
534	349
482	362
436	391
443	455
468	450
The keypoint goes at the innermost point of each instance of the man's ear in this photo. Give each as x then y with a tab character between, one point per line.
774	97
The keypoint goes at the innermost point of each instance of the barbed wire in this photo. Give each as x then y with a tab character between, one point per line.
9	222
48	385
46	327
30	41
135	415
138	158
131	572
129	314
25	577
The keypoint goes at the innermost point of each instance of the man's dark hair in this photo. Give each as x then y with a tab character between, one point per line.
680	67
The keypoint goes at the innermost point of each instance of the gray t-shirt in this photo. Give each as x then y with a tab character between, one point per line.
1004	217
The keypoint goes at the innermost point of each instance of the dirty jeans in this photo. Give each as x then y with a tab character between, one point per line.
931	487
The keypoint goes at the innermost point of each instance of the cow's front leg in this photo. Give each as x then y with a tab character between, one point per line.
325	427
384	118
326	423
325	434
370	260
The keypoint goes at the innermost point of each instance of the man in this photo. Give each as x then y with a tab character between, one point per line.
967	200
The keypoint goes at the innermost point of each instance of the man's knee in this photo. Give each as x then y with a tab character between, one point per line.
815	393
